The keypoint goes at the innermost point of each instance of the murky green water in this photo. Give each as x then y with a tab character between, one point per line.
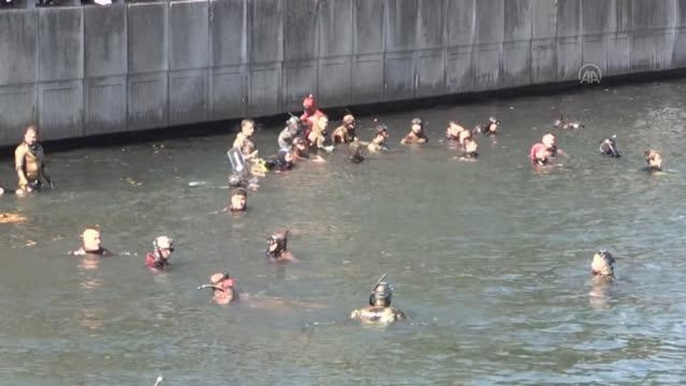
490	259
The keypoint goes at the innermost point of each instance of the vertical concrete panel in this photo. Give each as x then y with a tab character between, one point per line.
595	51
18	46
516	55
369	26
460	72
401	25
264	88
19	109
461	19
597	17
488	66
147	37
431	24
368	71
335	81
148	101
60	44
569	58
335	28
189	35
299	80
228	92
622	13
300	30
430	73
105	41
399	76
664	42
61	109
680	48
105	105
229	43
543	61
490	21
188	92
518	23
228	32
568	18
265	42
544	19
516	63
619	54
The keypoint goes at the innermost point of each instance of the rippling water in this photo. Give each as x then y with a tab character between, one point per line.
490	259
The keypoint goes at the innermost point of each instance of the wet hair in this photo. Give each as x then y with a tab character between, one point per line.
239	192
247	122
31	127
650	155
281	240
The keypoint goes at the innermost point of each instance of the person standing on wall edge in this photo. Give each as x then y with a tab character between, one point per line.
29	160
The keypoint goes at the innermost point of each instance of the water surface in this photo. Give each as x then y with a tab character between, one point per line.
490	259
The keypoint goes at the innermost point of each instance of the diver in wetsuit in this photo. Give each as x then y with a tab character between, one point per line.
609	147
379	310
277	248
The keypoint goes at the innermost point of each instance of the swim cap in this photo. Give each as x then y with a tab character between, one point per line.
163	242
383	290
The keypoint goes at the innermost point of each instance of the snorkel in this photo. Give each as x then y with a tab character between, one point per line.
382	293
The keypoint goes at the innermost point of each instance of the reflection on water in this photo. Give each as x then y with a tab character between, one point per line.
489	259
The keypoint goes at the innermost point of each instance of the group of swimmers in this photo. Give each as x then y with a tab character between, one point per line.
302	139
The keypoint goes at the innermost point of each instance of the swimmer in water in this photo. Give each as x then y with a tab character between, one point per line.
602	265
318	137
470	149
238	202
379	310
609	147
29	159
378	144
244	140
346	132
282	161
277	248
416	134
491	128
223	288
567	124
541	152
355	151
462	137
654	161
158	259
91	244
293	130
452	132
311	114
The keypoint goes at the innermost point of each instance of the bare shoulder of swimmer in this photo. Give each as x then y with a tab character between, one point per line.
355	314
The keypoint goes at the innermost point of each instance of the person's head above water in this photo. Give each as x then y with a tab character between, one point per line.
355	151
31	135
382	131
163	246
310	104
223	287
609	147
248	127
653	159
550	141
239	200
603	264
470	147
349	121
382	295
417	125
90	240
277	243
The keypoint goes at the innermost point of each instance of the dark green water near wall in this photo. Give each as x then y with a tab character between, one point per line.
490	259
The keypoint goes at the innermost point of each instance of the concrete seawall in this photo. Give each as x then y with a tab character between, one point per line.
83	71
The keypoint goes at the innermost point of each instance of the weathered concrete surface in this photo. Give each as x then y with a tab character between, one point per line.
92	70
